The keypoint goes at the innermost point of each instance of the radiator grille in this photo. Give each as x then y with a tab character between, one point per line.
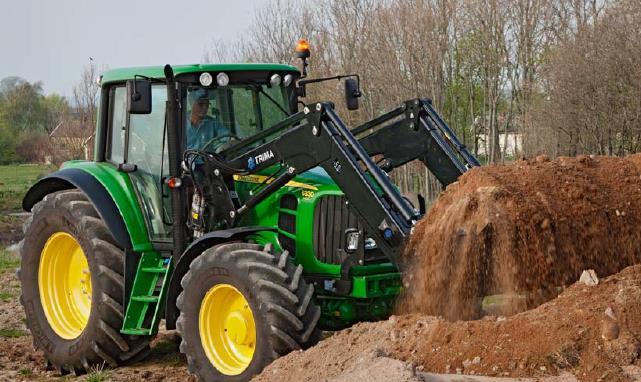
331	219
287	223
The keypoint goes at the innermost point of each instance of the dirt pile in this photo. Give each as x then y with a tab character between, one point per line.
526	228
591	331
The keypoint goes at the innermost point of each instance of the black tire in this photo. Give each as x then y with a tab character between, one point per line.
100	342
281	301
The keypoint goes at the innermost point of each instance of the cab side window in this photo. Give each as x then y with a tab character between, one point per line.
147	149
147	133
117	125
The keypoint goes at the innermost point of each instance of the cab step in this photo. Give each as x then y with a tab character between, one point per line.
148	293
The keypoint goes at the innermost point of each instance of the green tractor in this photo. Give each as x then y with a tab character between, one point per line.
222	202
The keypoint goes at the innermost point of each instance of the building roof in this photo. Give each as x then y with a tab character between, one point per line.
123	74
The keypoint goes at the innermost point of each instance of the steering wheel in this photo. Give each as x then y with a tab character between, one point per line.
215	139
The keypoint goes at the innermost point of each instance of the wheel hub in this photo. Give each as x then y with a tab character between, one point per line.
64	282
227	329
236	326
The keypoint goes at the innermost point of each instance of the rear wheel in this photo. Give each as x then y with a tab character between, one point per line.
249	305
72	286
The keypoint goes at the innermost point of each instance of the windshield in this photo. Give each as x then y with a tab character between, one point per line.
216	117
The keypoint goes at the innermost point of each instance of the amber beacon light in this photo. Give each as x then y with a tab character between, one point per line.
302	49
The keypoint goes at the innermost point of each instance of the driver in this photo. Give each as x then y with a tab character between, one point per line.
202	127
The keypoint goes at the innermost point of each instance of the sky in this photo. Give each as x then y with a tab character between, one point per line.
52	40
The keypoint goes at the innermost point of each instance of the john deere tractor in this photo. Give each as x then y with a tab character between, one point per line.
223	202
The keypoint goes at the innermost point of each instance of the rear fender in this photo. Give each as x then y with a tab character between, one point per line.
194	250
71	178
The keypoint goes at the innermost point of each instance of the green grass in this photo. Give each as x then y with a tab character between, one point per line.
8	260
98	374
6	296
12	333
24	372
15	180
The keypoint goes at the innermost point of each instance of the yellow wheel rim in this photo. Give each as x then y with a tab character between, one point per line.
64	282
227	329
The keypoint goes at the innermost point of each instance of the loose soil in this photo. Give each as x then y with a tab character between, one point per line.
589	331
525	229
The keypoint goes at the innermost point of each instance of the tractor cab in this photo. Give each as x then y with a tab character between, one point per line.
219	105
217	114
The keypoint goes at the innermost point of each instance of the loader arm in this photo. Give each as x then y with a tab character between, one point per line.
414	130
318	137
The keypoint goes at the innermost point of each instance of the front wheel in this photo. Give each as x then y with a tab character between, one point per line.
241	308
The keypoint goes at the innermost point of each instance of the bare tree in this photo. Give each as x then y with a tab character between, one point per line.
85	94
221	51
561	76
594	84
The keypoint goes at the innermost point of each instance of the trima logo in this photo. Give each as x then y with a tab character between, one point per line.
252	162
264	157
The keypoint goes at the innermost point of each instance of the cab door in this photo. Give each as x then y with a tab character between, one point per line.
146	148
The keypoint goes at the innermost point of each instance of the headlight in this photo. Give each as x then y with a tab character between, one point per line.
275	79
222	79
206	79
352	237
287	80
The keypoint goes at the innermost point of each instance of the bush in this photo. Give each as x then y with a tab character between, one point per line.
32	147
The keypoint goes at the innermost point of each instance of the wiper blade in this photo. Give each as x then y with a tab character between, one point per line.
260	90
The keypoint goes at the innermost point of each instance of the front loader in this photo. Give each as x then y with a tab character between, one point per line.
220	201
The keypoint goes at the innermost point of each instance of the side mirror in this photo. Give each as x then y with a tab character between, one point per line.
352	93
139	96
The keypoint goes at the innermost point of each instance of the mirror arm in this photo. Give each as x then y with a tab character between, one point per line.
314	80
152	79
301	88
136	76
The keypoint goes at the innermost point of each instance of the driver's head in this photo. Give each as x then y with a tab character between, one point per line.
199	104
